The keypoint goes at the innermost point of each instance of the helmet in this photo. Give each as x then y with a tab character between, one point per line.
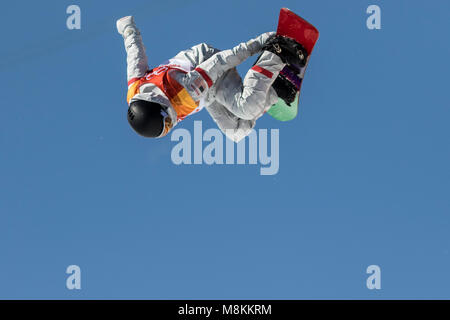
148	119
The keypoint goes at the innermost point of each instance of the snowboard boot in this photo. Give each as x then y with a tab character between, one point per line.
289	50
287	84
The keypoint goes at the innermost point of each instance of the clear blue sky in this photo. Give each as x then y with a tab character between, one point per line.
364	170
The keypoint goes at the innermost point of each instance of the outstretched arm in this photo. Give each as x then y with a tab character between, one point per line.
218	64
137	63
207	72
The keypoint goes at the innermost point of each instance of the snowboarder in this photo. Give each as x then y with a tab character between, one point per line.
203	76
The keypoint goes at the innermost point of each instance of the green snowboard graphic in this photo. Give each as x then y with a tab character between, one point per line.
283	112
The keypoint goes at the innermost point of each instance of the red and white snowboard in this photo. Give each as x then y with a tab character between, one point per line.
293	26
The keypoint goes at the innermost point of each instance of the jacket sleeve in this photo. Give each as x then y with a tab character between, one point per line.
209	70
197	54
137	62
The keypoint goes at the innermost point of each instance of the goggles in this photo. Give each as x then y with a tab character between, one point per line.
168	125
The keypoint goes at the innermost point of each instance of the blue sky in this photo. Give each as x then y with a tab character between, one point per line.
363	176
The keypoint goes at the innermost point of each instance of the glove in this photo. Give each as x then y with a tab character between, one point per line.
266	37
255	45
124	23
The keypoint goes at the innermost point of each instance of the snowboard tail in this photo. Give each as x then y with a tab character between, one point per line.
292	26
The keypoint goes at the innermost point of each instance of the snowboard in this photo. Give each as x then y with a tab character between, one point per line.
293	26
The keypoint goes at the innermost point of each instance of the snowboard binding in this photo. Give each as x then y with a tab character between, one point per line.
290	51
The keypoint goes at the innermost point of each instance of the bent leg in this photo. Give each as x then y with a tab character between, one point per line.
249	100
